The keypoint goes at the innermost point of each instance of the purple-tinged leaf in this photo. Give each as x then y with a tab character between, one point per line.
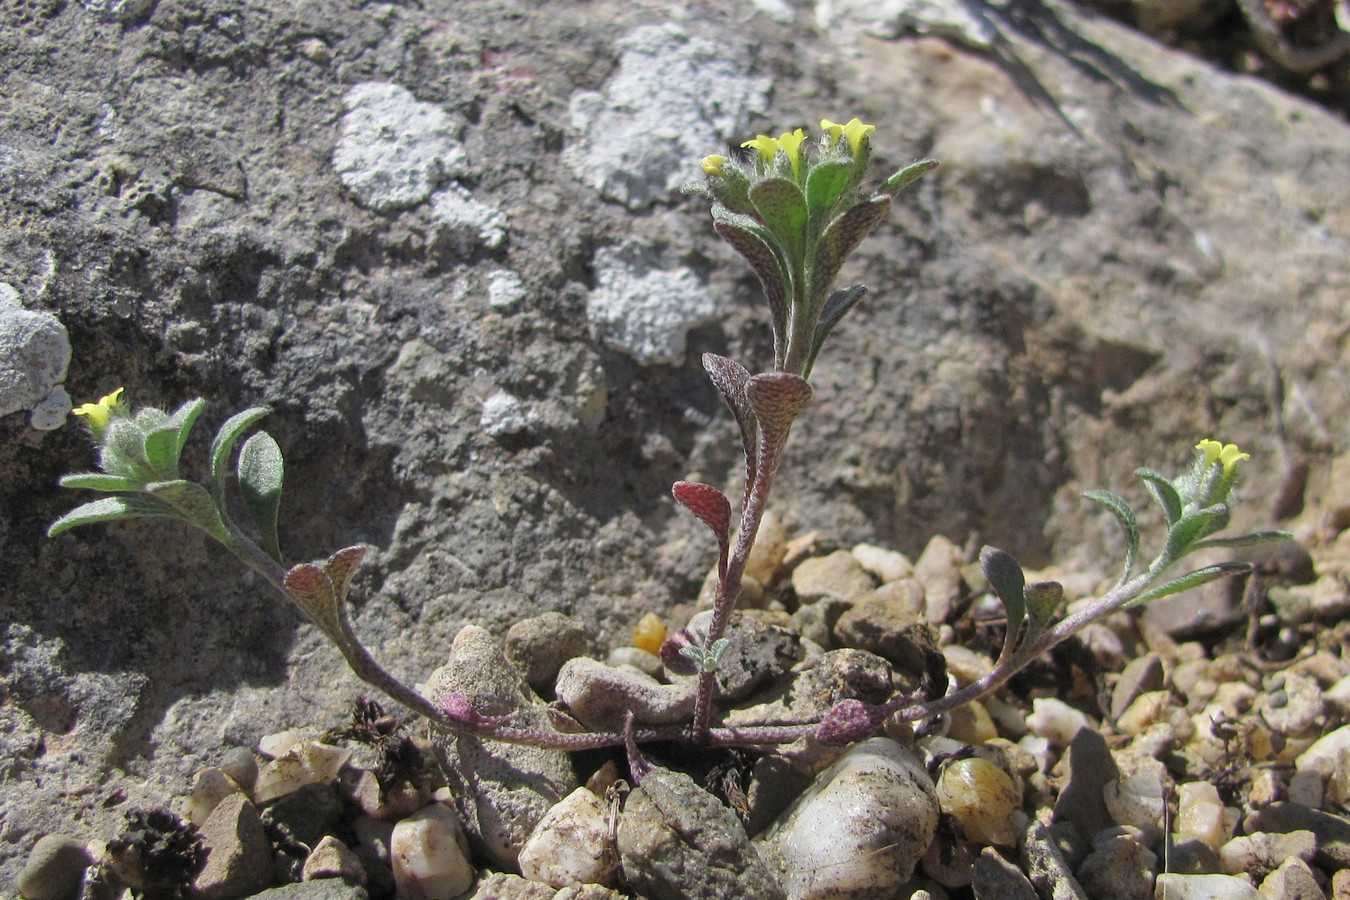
730	379
849	721
776	398
458	707
711	507
840	238
638	765
340	567
672	653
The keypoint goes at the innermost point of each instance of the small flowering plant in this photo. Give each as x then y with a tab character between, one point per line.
795	209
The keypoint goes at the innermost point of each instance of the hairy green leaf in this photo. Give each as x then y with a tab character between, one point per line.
97	481
1043	600
109	509
186	416
754	242
782	206
1163	492
908	175
1191	580
825	185
1125	515
1243	541
194	503
261	474
161	450
836	307
1191	528
223	444
1006	578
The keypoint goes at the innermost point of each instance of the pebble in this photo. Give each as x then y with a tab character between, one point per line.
1333	832
238	852
1204	887
1139	796
806	693
298	761
504	886
307	814
1293	880
331	858
588	892
55	868
541	644
1325	754
678	842
1200	813
938	568
1118	868
994	878
981	797
770	547
569	845
1262	853
430	855
1089	769
1146	710
756	652
320	889
209	787
1141	675
838	576
1045	865
1056	721
601	697
966	665
889	623
501	790
638	658
858	829
1307	788
1292	703
882	564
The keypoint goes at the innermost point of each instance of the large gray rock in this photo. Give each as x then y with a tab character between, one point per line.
1086	285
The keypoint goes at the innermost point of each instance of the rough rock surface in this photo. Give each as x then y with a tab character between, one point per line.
1123	250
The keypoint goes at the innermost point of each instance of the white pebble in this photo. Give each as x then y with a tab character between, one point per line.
568	846
1200	814
430	855
1055	720
1204	887
308	762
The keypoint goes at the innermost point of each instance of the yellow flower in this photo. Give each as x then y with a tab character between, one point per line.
790	142
98	413
1227	455
712	165
854	130
767	146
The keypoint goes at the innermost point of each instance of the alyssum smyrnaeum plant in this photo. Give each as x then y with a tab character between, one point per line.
795	209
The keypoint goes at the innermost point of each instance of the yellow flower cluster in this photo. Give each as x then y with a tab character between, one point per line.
99	413
854	130
1228	455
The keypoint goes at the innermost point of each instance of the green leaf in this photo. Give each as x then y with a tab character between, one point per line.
109	509
836	307
123	451
840	238
825	185
161	450
1125	514
908	175
186	416
194	503
754	242
1163	493
782	206
1191	528
223	444
261	473
1006	578
1043	600
97	481
1255	539
1191	580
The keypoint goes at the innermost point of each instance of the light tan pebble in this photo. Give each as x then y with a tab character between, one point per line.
1291	703
1139	796
331	858
1307	788
1235	698
1186	676
1039	749
1340	885
1191	651
1322	756
1010	719
640	659
1338	785
1200	813
315	50
241	765
1147	710
209	787
430	855
1266	788
905	595
981	797
1118	867
1171	886
834	577
1338	695
306	762
1155	741
951	863
1295	745
971	724
1326	667
1105	645
1055	720
966	665
587	892
362	787
800	548
1262	852
601	697
752	596
769	549
1261	742
939	568
1020	762
1293	880
569	845
885	565
54	869
278	742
